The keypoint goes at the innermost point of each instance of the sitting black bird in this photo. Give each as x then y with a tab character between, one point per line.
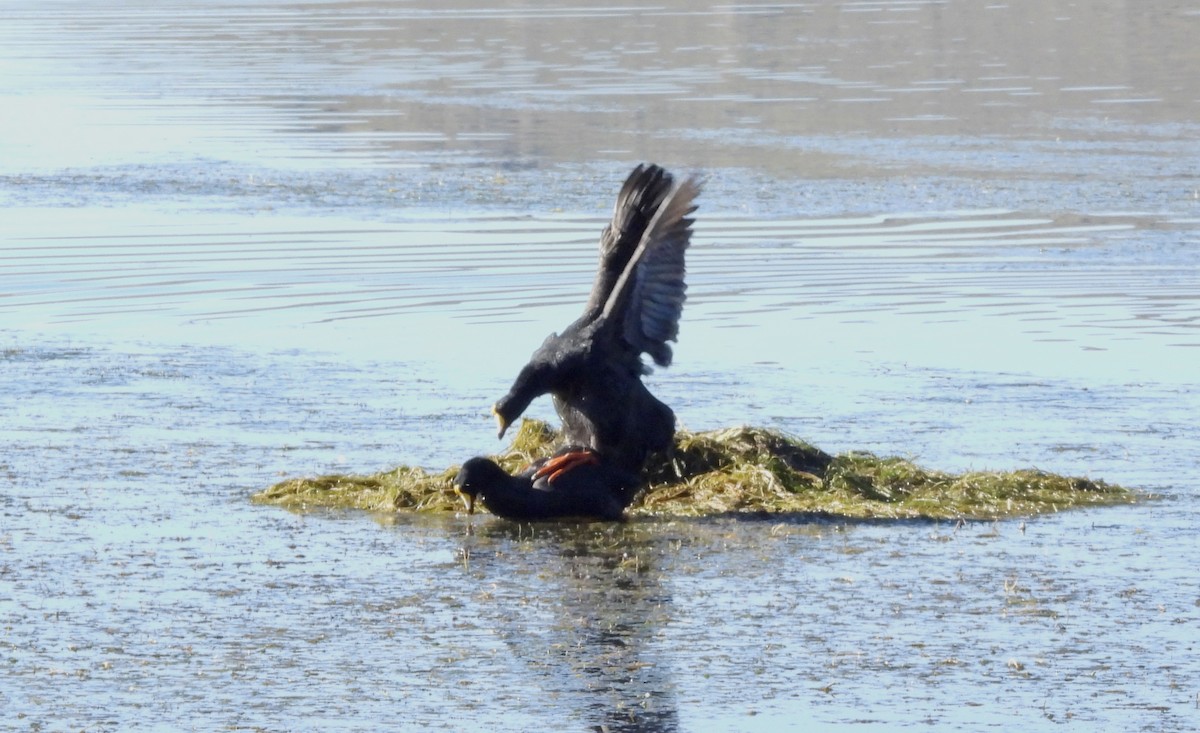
594	368
572	484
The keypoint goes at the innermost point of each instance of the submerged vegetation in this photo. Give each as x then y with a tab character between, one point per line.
741	470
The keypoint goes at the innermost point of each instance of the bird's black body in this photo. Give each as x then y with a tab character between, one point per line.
589	490
594	367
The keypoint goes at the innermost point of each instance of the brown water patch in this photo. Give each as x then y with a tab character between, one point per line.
826	89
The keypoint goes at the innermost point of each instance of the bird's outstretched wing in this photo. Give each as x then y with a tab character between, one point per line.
640	197
647	299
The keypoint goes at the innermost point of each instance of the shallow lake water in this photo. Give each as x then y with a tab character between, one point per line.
243	241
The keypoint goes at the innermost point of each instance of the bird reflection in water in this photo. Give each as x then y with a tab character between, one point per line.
581	607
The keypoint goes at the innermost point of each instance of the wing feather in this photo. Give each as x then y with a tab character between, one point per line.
647	299
639	198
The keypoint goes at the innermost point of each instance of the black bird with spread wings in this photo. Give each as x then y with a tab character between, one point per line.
594	367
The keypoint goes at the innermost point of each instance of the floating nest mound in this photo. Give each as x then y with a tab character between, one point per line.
741	469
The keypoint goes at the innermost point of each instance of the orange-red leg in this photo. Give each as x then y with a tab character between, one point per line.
558	465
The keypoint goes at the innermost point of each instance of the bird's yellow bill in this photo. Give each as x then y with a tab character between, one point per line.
501	423
468	500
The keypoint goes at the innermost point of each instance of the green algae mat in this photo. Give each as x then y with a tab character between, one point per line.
741	469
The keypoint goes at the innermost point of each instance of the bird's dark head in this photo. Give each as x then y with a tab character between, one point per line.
531	382
505	412
474	477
